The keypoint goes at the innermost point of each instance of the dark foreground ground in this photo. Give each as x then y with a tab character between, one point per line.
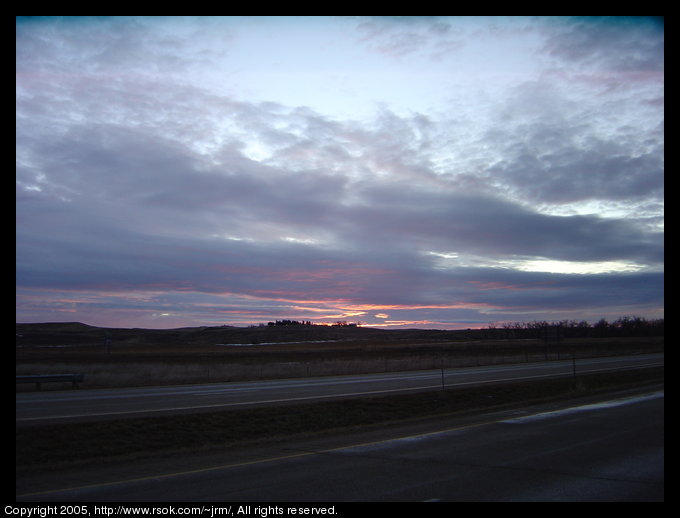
607	446
61	446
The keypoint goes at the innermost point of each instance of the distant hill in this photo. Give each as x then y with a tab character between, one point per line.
76	333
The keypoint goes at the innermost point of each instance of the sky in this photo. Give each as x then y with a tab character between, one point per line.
400	172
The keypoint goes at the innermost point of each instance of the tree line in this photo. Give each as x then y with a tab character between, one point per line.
623	326
339	323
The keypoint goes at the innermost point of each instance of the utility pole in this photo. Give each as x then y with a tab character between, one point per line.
442	360
107	341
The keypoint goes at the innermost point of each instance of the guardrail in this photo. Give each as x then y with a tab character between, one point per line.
51	378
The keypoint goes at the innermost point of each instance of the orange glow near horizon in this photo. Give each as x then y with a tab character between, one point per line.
237	309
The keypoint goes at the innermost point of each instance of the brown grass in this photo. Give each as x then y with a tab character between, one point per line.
140	365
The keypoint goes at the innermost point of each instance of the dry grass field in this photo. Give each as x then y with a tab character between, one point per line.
138	357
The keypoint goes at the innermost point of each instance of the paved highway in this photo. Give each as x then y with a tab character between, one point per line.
35	407
601	451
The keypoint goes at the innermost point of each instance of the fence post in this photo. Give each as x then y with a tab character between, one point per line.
443	387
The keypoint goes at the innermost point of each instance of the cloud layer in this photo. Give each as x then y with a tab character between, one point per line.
168	172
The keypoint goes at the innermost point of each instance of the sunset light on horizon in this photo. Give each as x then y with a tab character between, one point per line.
427	172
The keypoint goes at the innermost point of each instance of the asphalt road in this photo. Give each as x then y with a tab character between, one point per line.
605	451
82	404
